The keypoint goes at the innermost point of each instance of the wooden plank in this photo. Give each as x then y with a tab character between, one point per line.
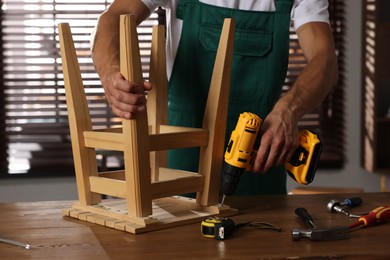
84	216
168	212
169	174
172	182
158	96
104	140
118	175
177	186
116	129
105	210
178	138
211	156
75	213
107	186
135	131
79	117
168	129
171	137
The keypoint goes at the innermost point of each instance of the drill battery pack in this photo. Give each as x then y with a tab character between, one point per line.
303	163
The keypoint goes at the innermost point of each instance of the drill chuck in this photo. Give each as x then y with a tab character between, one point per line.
230	177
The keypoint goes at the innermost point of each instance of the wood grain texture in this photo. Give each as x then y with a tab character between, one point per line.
79	117
211	156
135	131
158	97
53	236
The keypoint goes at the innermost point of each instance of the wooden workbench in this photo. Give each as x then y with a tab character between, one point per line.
53	236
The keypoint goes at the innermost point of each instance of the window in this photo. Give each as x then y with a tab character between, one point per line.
376	86
35	139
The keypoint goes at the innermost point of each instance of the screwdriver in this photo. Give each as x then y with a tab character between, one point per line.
337	206
376	216
16	243
305	217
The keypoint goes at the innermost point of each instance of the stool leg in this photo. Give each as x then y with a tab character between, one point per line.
135	131
211	157
79	118
158	97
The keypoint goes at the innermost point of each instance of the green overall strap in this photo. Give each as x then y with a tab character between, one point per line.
259	68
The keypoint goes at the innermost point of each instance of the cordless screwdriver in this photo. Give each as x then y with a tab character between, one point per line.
240	152
244	143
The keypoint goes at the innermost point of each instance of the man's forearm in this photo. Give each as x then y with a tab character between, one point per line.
105	42
105	47
319	76
311	87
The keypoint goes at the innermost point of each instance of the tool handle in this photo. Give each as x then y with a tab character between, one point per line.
352	202
305	216
376	216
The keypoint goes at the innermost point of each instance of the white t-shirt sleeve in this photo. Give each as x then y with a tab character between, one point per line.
305	11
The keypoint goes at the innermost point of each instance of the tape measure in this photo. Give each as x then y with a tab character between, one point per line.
221	228
217	227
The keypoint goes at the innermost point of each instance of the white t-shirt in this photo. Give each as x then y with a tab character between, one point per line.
303	11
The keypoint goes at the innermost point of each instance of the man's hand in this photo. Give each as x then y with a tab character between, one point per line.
279	139
125	98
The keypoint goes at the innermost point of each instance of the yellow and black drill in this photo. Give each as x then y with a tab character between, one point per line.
244	143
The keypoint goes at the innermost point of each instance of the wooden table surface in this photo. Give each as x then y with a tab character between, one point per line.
53	236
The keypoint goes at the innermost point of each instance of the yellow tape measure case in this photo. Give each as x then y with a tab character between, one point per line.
217	228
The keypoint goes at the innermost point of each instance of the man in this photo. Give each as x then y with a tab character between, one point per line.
258	72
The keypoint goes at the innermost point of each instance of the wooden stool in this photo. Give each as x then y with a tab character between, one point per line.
146	191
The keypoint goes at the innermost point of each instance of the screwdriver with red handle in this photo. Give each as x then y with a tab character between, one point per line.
376	216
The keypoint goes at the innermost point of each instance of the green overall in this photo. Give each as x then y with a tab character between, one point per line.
261	43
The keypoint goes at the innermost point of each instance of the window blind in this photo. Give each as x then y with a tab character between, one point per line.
35	115
327	120
36	136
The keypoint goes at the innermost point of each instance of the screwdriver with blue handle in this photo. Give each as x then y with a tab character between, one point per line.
244	143
337	206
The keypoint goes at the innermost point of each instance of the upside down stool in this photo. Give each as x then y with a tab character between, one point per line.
146	193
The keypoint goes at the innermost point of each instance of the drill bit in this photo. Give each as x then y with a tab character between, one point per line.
223	199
